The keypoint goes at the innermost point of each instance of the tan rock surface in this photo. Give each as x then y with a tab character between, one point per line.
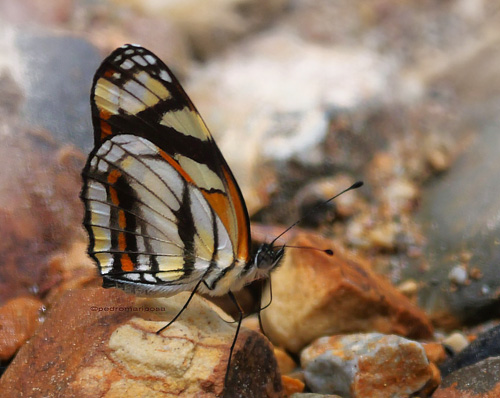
103	343
317	295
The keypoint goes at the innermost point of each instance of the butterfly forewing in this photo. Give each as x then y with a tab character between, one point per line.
162	206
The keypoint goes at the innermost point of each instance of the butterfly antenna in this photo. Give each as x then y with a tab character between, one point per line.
315	208
326	251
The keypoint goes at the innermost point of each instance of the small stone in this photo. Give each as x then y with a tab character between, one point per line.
19	318
292	385
475	273
440	159
315	294
286	364
103	342
401	195
435	352
409	288
458	275
456	341
383	235
366	365
481	380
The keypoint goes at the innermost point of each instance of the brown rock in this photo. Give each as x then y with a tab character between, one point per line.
19	318
316	295
98	342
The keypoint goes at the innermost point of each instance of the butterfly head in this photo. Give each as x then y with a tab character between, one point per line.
268	257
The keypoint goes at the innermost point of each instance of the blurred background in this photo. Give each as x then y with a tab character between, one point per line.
303	98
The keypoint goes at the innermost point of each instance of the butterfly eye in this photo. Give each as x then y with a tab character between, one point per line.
267	257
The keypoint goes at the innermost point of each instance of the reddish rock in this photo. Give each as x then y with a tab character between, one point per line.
315	294
98	342
19	319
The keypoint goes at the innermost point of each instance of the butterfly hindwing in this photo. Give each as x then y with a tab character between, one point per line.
162	206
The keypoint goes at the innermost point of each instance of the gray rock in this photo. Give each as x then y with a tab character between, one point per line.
58	72
460	217
460	210
53	74
479	380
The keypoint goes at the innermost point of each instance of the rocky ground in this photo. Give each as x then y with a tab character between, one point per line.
404	96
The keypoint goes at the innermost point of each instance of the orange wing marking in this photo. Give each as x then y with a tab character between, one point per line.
176	166
220	204
241	218
105	126
109	73
127	264
112	178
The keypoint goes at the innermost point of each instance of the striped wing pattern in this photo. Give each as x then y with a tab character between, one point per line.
163	210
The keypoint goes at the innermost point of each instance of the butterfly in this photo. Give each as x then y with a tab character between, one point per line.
163	211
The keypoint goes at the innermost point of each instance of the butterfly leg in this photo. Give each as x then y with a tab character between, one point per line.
267	305
240	318
182	309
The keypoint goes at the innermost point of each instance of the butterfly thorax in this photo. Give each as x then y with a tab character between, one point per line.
242	273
